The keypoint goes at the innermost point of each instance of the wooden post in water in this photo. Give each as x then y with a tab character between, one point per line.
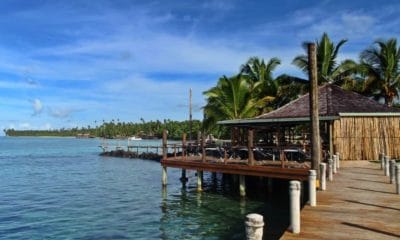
315	136
165	150
250	146
294	193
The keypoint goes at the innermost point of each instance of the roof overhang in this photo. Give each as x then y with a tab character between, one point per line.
260	121
371	114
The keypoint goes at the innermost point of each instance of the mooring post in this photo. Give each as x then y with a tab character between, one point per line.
294	193
322	176
398	178
338	160
392	171
382	160
254	226
312	188
330	169
387	167
199	181
242	185
335	164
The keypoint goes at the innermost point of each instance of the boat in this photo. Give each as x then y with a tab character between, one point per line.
134	138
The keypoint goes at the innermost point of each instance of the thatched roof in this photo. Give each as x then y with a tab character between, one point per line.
333	103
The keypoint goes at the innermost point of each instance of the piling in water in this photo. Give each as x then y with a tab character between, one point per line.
254	226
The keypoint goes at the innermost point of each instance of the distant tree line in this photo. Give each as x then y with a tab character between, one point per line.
117	129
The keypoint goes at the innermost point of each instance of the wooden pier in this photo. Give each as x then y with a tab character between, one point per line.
359	204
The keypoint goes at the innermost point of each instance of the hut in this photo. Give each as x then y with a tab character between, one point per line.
356	126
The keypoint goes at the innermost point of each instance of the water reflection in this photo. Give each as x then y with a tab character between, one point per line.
218	212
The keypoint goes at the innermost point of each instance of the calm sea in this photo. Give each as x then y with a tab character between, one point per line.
60	188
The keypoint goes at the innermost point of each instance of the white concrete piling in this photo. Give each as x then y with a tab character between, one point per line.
312	188
254	226
199	181
330	169
242	185
387	167
294	192
382	160
398	178
335	161
338	160
322	176
392	171
164	176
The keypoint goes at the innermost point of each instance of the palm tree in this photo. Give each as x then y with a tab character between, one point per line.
262	84
328	69
380	64
230	99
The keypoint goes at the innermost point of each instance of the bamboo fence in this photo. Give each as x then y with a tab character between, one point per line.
363	138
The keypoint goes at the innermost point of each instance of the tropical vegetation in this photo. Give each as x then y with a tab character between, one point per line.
256	89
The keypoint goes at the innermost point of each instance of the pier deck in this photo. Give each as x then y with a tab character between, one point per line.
359	204
261	169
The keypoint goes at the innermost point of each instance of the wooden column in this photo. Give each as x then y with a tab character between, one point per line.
315	136
250	146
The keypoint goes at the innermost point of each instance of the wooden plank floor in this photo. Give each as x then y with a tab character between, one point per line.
359	204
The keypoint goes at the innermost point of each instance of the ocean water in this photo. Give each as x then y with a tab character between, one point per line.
60	188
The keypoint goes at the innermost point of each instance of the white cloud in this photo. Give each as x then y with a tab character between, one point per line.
25	125
37	106
62	112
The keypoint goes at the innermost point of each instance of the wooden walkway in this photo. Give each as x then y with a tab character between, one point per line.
359	204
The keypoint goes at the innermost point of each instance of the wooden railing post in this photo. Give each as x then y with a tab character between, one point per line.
250	146
203	148
164	144
183	146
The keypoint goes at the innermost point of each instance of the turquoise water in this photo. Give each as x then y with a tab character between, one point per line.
59	188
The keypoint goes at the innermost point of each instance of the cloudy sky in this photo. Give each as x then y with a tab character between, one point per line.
71	63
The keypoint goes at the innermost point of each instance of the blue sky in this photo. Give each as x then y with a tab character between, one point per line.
71	63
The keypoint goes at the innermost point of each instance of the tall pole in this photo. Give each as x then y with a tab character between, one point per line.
315	136
190	114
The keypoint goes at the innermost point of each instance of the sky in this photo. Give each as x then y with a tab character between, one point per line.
67	64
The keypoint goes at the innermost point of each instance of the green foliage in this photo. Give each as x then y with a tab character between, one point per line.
328	68
230	99
112	129
380	64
